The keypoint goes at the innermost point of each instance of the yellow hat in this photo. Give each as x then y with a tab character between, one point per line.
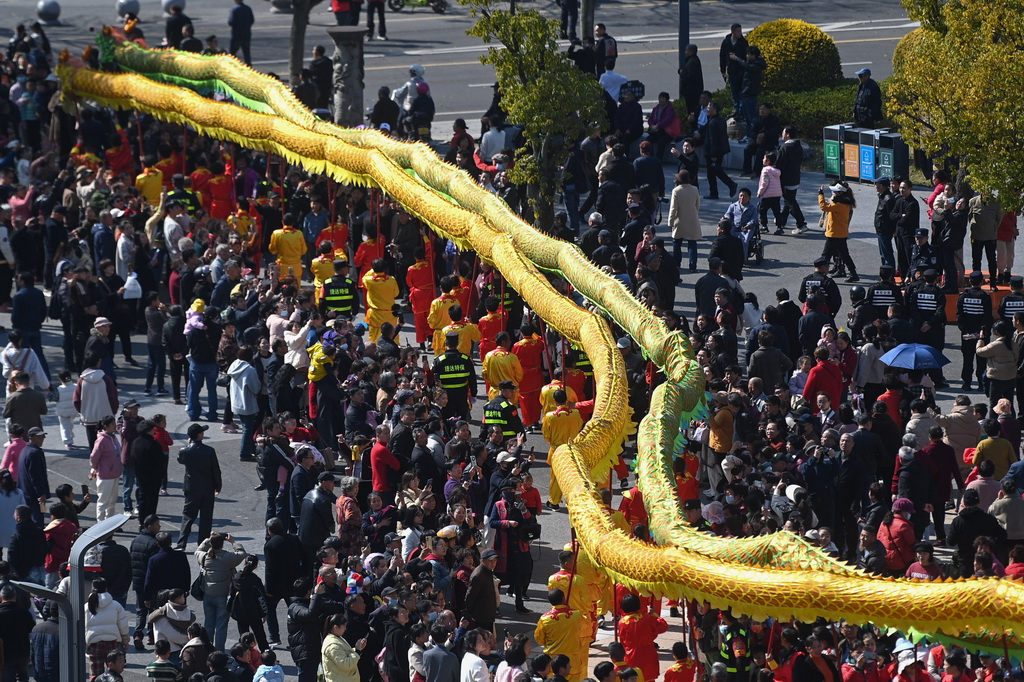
198	306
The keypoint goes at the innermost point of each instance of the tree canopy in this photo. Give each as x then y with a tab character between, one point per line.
956	90
541	90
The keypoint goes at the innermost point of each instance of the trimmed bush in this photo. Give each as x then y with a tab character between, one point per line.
800	56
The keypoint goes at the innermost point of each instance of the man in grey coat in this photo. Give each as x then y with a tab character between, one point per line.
440	664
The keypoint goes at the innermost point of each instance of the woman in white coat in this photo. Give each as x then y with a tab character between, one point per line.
106	627
684	219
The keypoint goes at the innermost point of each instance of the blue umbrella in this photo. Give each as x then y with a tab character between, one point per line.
914	356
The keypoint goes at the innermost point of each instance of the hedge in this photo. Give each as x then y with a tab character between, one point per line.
799	56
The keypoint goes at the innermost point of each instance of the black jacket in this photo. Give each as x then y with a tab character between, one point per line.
726	65
149	460
16	625
872	561
202	470
885	224
27	550
906	215
142	548
426	468
174	336
202	343
248	601
611	203
729	248
116	567
968	525
304	628
753	75
691	79
704	292
809	330
791	155
396	658
284	563
299	483
167	569
316	518
867	108
717	142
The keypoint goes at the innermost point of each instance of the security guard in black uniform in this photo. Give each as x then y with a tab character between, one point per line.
974	319
819	278
577	359
457	376
922	254
861	316
884	293
1013	301
926	308
502	411
339	293
185	197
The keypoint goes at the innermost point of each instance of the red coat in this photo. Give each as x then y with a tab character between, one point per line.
60	535
637	633
899	543
825	377
382	463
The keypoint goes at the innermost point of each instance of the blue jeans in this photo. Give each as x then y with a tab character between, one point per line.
248	433
572	207
885	251
127	486
215	611
677	252
156	367
748	108
198	373
33	340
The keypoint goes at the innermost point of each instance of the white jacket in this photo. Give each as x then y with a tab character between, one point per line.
163	628
297	355
95	401
65	402
109	624
24	360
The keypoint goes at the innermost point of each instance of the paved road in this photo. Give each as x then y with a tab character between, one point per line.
866	32
458	80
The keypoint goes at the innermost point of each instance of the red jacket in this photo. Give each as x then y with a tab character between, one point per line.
60	535
825	377
899	542
637	633
382	463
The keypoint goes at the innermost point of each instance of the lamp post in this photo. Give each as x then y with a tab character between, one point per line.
684	36
72	614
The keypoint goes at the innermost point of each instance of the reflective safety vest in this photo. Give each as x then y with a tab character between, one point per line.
502	413
453	370
339	294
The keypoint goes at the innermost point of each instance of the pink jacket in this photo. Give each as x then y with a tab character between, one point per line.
12	455
770	184
106	456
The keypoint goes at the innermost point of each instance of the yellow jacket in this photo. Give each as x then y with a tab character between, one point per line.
288	245
580	597
438	319
547	395
339	659
468	333
318	362
150	183
837	217
381	291
500	365
323	269
563	630
561	426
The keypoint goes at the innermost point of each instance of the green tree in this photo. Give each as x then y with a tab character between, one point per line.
542	90
956	93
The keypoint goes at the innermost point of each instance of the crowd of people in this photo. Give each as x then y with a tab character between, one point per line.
287	297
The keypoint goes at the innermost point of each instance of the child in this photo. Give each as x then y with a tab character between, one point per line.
252	655
66	412
194	318
828	341
162	670
684	668
356	575
66	496
270	671
531	496
161	436
617	653
60	534
799	379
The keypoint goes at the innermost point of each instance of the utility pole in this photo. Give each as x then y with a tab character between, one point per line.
684	36
587	21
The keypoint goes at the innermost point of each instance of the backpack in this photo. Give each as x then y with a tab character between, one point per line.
380	664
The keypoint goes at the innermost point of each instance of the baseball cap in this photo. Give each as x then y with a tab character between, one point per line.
692	504
36	431
129	404
504	457
385	126
820	260
391	537
507	386
624	343
488	554
864	72
196	429
921	232
326	476
100	322
884	180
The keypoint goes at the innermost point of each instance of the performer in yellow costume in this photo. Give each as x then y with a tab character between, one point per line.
580	597
563	630
547	393
150	183
289	246
501	364
467	331
559	427
381	292
438	318
322	268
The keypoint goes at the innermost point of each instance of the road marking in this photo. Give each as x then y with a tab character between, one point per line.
855	63
480	85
